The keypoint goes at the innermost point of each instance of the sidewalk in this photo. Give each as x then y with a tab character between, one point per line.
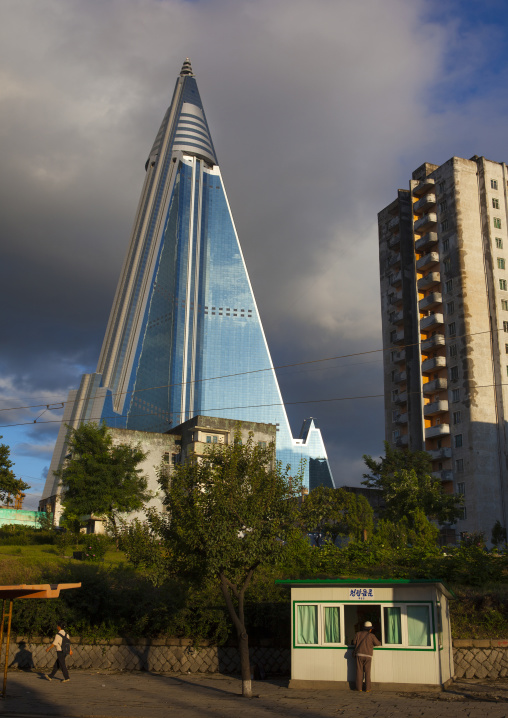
144	695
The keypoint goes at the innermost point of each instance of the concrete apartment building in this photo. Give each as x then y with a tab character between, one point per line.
443	250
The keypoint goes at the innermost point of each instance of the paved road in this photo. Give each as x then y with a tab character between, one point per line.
143	695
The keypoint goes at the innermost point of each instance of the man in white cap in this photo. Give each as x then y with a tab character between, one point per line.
364	649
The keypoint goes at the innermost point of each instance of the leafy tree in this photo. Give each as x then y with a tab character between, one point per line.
407	485
101	477
328	513
228	513
498	534
10	486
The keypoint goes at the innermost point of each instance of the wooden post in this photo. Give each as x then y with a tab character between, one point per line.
4	690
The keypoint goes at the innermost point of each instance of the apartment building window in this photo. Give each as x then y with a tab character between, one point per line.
493	184
395	413
450	307
449	285
495	203
499	243
395	434
446	245
451	329
262	444
454	373
502	284
453	350
505	328
443	205
455	395
394	355
391	317
165	458
504	304
506	348
447	266
441	186
395	394
393	336
456	417
393	375
461	486
500	263
211	439
497	222
507	371
464	513
458	441
444	225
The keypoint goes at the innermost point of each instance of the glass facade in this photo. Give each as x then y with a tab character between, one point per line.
185	337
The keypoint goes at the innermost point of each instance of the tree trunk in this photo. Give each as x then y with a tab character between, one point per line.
243	647
239	623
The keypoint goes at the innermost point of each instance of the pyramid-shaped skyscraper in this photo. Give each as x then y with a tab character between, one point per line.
184	336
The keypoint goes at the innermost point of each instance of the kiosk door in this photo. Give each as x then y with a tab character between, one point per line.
355	615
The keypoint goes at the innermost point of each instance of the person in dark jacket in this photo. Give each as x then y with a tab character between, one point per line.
364	643
62	644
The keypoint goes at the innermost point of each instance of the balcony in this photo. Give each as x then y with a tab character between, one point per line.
445	475
402	441
430	301
394	224
427	261
396	317
393	260
397	337
433	320
399	356
401	398
437	385
429	280
394	241
439	454
425	203
429	365
437	340
426	241
395	298
396	280
440	430
425	185
435	407
400	377
401	418
425	223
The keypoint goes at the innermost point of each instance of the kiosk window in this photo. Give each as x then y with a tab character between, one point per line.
307	626
332	624
393	630
418	626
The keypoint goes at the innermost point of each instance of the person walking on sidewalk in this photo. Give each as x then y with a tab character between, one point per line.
364	649
62	643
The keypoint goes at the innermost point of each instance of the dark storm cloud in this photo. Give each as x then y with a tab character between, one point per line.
318	112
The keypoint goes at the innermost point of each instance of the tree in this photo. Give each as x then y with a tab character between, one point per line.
101	477
228	513
407	485
10	486
328	513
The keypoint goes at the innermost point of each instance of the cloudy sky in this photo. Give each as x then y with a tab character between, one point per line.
319	111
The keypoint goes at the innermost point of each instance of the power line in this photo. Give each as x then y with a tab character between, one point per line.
399	347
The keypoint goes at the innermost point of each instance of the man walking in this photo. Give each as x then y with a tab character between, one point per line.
364	649
62	643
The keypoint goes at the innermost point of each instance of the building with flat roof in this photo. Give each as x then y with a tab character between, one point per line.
443	249
184	336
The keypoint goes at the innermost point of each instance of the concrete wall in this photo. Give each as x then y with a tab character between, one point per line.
473	658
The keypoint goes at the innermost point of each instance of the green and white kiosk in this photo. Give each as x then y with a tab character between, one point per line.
410	617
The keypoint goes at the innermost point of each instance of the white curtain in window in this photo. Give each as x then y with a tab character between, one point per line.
307	626
393	631
418	626
332	624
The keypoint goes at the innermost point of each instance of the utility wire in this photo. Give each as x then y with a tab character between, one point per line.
399	347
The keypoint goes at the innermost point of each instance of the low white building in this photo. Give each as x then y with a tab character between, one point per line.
410	617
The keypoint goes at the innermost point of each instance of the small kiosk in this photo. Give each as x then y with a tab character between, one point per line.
410	617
